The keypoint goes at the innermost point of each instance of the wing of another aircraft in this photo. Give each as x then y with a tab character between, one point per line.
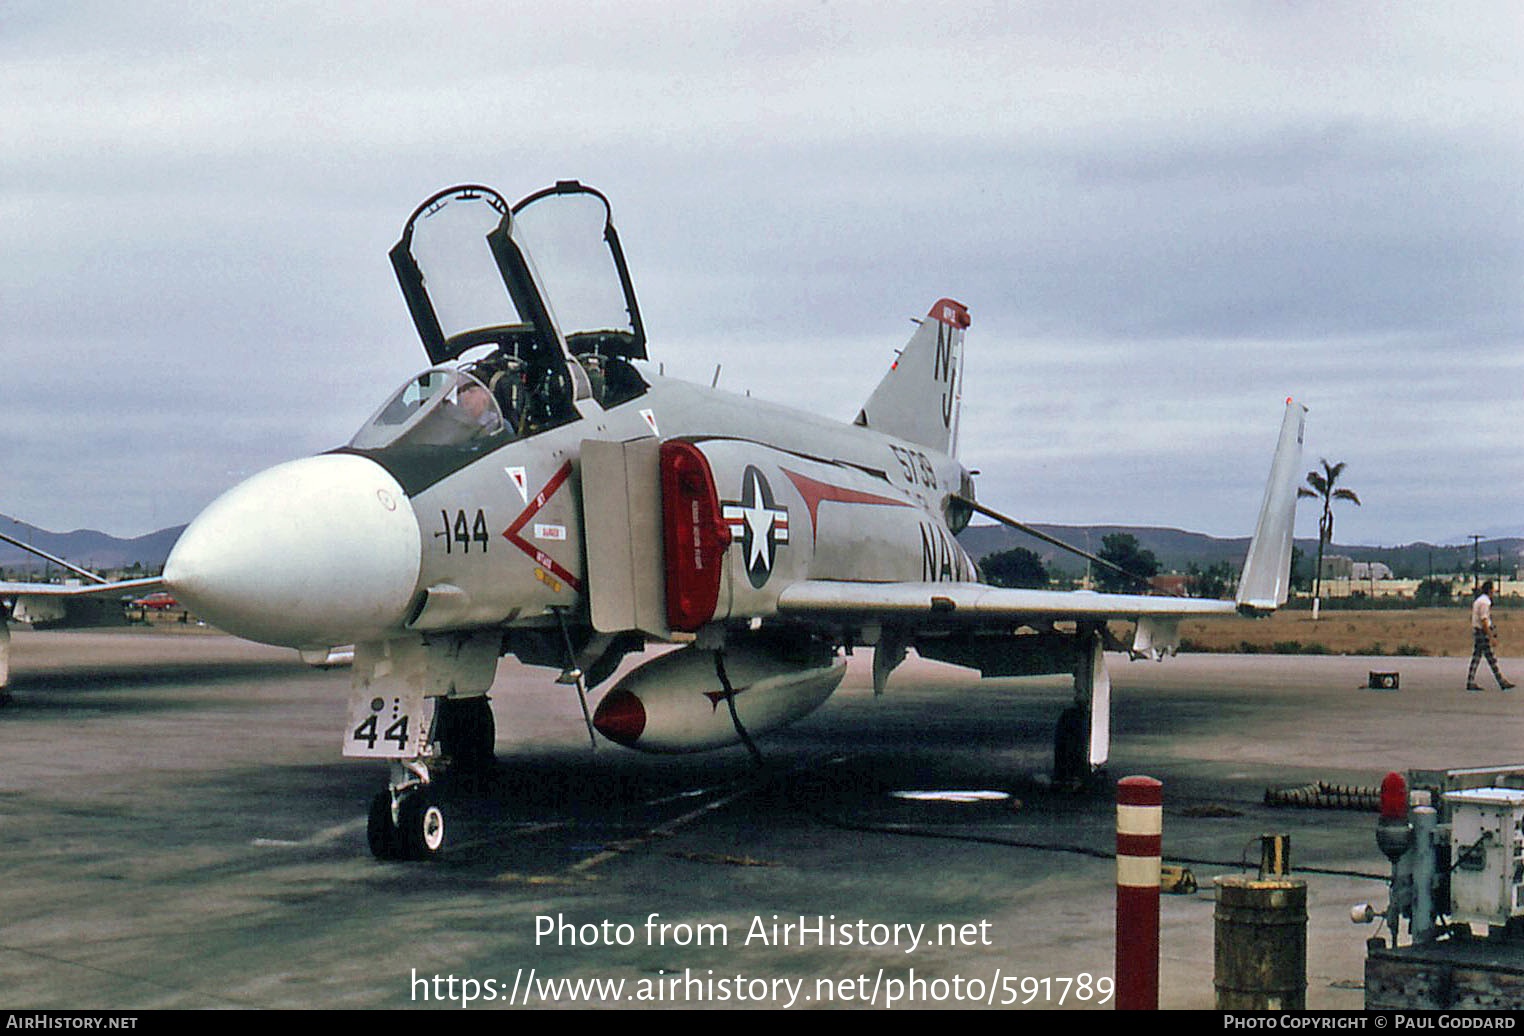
61	592
53	602
64	591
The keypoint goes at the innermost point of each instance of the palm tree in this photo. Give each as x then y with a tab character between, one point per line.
1322	488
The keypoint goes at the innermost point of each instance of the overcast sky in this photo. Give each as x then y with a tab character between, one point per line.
1164	220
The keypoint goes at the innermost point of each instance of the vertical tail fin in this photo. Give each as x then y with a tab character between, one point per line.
919	398
1266	579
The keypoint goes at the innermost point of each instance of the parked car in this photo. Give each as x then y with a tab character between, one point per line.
158	601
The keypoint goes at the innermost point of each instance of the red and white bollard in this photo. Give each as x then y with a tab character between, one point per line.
1140	831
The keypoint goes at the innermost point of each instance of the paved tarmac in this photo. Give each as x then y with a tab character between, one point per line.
181	832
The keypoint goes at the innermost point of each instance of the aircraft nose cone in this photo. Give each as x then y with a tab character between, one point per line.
311	553
620	717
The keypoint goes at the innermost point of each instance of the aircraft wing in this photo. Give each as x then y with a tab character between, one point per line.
96	586
973	607
53	602
59	590
69	604
955	605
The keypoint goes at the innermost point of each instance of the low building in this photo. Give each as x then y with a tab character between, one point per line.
1337	566
1460	587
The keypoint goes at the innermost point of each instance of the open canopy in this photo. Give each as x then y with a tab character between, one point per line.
537	281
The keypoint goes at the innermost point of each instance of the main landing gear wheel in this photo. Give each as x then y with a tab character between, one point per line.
421	825
1071	760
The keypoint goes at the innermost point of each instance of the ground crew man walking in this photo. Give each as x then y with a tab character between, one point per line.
1483	635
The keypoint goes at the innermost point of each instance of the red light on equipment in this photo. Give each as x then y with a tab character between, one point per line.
1394	797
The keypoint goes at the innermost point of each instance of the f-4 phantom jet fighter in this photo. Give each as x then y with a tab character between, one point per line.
542	490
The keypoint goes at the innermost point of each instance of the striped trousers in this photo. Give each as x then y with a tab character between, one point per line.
1482	646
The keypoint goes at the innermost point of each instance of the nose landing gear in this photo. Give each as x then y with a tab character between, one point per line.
422	705
409	820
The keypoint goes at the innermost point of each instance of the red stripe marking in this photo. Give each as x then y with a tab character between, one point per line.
1139	791
1139	845
538	556
814	493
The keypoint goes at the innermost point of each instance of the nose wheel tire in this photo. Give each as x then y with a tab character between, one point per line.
418	834
421	826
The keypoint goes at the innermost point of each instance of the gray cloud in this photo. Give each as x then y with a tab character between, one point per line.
1164	223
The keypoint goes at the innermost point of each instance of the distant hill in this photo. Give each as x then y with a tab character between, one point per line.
1177	549
1416	560
1496	532
85	547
